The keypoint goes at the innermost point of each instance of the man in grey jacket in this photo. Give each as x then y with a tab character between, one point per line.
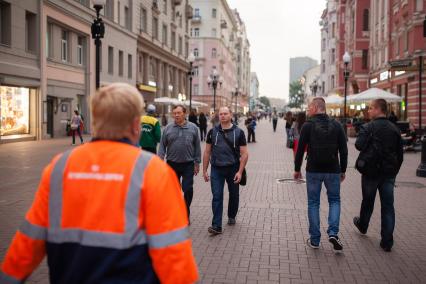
180	146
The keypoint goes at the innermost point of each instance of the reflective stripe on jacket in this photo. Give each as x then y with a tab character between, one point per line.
105	212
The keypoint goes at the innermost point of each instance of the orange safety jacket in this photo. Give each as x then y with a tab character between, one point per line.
105	212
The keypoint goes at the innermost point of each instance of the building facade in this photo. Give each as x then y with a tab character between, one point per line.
254	89
214	37
299	65
310	81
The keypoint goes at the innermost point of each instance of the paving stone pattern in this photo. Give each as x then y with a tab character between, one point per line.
267	245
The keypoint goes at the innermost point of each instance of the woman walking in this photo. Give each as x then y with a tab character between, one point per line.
76	123
288	124
274	121
296	128
202	121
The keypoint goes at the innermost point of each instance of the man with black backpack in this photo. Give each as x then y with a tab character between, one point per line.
379	161
326	141
226	151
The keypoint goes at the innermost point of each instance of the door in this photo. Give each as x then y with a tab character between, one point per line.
50	116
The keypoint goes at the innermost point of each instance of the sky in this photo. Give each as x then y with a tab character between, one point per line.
278	30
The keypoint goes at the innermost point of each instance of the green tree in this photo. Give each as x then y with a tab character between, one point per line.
297	97
264	100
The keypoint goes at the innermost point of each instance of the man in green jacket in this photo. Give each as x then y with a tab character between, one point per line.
151	131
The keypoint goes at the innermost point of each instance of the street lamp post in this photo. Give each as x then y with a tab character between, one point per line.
98	31
191	60
214	80
421	170
346	61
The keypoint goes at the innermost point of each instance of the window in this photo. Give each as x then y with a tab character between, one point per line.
127	19
186	49
397	46
140	63
165	7
323	66
64	46
165	34
119	12
214	13
196	32
31	32
196	89
180	46
155	28
49	40
365	20
323	44
120	63
5	23
196	71
173	40
109	9
214	32
196	52
214	52
333	30
129	66
332	82
143	23
197	12
333	55
110	60
406	40
419	5
365	59
80	50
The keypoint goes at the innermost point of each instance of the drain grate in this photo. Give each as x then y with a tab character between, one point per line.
290	181
409	184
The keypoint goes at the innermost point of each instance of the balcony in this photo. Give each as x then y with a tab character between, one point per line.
196	19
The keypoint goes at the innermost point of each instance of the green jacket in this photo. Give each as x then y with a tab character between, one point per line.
151	132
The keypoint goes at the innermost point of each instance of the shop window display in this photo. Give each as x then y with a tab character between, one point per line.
14	102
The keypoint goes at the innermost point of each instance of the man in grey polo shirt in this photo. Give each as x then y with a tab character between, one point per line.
180	146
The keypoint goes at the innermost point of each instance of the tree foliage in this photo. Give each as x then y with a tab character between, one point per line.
264	100
296	95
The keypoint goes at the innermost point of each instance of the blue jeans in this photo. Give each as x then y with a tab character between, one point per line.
314	183
218	176
370	185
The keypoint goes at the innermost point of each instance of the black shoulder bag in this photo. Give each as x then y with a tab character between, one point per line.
243	180
368	162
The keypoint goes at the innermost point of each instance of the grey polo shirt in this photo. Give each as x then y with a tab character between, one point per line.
180	144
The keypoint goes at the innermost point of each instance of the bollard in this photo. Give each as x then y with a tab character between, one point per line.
421	170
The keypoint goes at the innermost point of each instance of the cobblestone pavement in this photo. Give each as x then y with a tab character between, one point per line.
267	245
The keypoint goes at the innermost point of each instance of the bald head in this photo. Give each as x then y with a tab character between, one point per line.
317	106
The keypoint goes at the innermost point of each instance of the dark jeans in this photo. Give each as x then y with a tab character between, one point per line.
314	183
251	135
152	150
79	134
185	171
274	124
218	176
203	133
370	185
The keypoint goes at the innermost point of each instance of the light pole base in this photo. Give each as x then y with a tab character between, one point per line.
421	170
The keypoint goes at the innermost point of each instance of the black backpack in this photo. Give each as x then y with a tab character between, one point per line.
323	144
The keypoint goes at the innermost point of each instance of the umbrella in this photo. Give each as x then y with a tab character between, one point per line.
167	101
195	103
373	94
334	100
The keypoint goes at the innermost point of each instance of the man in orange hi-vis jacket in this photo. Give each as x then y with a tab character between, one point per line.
106	212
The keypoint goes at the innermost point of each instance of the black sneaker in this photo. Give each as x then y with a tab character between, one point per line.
385	248
231	221
356	223
337	244
311	245
215	230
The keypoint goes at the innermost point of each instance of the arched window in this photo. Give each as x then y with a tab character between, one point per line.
196	53
214	53
366	20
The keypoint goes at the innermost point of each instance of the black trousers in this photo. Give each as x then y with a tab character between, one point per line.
251	135
185	175
203	133
274	124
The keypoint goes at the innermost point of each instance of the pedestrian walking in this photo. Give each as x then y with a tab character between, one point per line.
98	220
288	124
251	126
202	120
193	117
151	131
296	129
274	121
76	122
180	146
326	141
226	151
379	161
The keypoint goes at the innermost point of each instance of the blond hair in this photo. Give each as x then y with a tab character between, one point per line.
113	110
